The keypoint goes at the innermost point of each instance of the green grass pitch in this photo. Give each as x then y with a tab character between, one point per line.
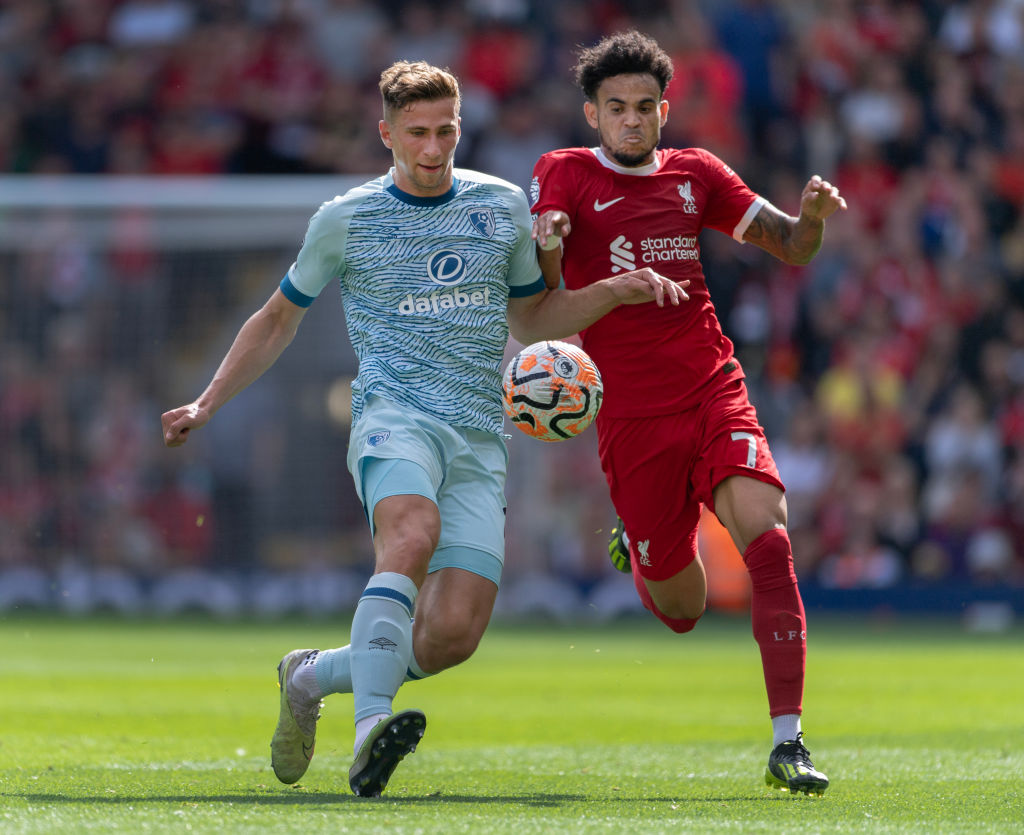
164	726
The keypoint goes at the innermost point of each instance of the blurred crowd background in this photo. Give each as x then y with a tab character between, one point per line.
889	374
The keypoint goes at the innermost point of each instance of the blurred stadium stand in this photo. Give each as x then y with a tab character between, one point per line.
159	160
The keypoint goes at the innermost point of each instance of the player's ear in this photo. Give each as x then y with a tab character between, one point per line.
385	133
663	107
590	111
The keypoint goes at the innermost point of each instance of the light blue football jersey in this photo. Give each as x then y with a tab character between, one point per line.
425	282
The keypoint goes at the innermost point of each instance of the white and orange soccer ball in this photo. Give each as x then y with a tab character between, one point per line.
553	390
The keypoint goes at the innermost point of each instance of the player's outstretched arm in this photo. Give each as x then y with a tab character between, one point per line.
796	240
256	347
557	314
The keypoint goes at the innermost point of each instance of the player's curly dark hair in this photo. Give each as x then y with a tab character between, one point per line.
623	52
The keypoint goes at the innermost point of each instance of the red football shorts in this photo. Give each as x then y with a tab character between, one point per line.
661	469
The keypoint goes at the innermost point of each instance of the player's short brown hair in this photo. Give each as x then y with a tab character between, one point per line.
620	54
405	82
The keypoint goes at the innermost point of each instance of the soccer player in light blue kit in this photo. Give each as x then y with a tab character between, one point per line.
434	263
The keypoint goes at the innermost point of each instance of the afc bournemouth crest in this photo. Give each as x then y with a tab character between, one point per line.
483	221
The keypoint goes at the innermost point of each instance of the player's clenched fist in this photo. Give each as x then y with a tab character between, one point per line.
820	199
177	423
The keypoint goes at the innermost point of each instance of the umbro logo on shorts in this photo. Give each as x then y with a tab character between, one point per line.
375	439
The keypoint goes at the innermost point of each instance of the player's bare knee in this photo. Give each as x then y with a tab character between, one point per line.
681	603
406	550
446	645
683	611
416	537
455	653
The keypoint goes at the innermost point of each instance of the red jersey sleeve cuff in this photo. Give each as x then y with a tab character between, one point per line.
748	218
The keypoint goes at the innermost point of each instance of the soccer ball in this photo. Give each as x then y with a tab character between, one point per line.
552	390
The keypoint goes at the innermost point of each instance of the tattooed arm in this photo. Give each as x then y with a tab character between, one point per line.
796	240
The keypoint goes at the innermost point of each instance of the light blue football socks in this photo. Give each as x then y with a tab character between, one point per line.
331	672
381	644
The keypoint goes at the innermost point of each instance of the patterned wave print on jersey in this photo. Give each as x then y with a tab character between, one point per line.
425	289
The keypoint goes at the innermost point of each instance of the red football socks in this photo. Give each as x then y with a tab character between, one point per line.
777	616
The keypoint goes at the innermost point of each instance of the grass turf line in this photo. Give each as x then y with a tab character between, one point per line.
114	726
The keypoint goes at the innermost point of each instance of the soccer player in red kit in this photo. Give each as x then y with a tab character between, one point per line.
676	429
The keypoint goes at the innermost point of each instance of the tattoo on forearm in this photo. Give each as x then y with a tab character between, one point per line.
804	240
785	237
766	228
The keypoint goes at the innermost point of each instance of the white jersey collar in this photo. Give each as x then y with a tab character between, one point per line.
639	171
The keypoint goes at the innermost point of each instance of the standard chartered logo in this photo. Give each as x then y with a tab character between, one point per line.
676	248
622	255
652	251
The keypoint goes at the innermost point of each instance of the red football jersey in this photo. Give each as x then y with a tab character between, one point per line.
652	360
